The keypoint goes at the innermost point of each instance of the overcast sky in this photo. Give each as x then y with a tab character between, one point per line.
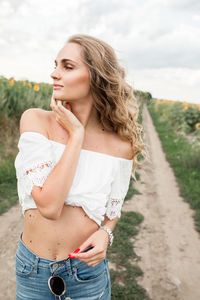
157	41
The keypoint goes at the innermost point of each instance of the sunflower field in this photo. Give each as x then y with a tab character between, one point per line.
182	116
18	95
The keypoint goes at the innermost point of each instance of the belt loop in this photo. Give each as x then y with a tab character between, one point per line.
35	265
69	267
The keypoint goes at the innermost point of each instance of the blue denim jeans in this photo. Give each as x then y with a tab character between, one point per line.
82	282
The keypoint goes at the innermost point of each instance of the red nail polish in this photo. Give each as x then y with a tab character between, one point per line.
76	251
71	256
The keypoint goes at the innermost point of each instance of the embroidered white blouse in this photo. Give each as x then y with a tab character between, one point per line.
99	186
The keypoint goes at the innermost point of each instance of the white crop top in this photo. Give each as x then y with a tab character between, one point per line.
99	186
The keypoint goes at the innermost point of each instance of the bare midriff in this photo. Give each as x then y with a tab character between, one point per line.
55	239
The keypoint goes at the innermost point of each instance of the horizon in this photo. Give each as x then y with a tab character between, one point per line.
144	91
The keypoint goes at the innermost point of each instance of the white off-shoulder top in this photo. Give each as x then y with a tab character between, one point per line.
99	186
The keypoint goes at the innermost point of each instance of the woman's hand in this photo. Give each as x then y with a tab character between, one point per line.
99	240
65	117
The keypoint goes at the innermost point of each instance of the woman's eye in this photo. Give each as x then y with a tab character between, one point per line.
68	67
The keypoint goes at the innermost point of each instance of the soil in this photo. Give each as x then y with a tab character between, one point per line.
11	225
168	244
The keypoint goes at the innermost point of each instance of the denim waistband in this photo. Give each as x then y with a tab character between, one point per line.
27	254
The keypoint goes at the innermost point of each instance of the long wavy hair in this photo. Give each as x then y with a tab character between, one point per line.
114	98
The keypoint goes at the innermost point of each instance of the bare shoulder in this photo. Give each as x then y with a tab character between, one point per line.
121	147
34	119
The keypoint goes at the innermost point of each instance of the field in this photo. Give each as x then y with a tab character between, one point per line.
15	97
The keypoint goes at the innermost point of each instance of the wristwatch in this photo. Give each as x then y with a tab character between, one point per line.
111	237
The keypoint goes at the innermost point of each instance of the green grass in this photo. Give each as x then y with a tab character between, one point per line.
8	183
132	191
124	280
185	161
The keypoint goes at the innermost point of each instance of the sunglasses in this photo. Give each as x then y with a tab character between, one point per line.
57	284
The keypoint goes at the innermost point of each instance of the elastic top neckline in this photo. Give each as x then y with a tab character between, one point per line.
86	150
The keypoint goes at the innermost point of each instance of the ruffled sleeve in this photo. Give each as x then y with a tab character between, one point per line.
119	189
33	163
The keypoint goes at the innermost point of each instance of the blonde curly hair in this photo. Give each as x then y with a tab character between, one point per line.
114	99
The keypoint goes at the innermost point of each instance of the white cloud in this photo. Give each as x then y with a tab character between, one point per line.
178	84
156	41
6	9
191	5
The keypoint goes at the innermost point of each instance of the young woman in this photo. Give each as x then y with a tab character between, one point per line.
73	171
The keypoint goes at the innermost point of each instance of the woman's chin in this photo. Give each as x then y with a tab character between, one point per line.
59	96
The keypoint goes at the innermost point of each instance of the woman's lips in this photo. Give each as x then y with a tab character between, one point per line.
57	86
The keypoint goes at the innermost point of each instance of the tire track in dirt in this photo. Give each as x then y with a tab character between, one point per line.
168	244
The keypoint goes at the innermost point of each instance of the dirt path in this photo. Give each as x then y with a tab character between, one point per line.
168	244
11	225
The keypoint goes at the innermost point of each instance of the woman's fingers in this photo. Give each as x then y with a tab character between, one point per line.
60	106
59	103
88	259
94	264
86	255
94	261
56	107
66	117
53	104
53	101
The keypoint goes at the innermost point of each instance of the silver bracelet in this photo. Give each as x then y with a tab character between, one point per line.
111	237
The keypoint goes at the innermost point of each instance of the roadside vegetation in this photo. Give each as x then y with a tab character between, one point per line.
178	126
125	271
15	97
